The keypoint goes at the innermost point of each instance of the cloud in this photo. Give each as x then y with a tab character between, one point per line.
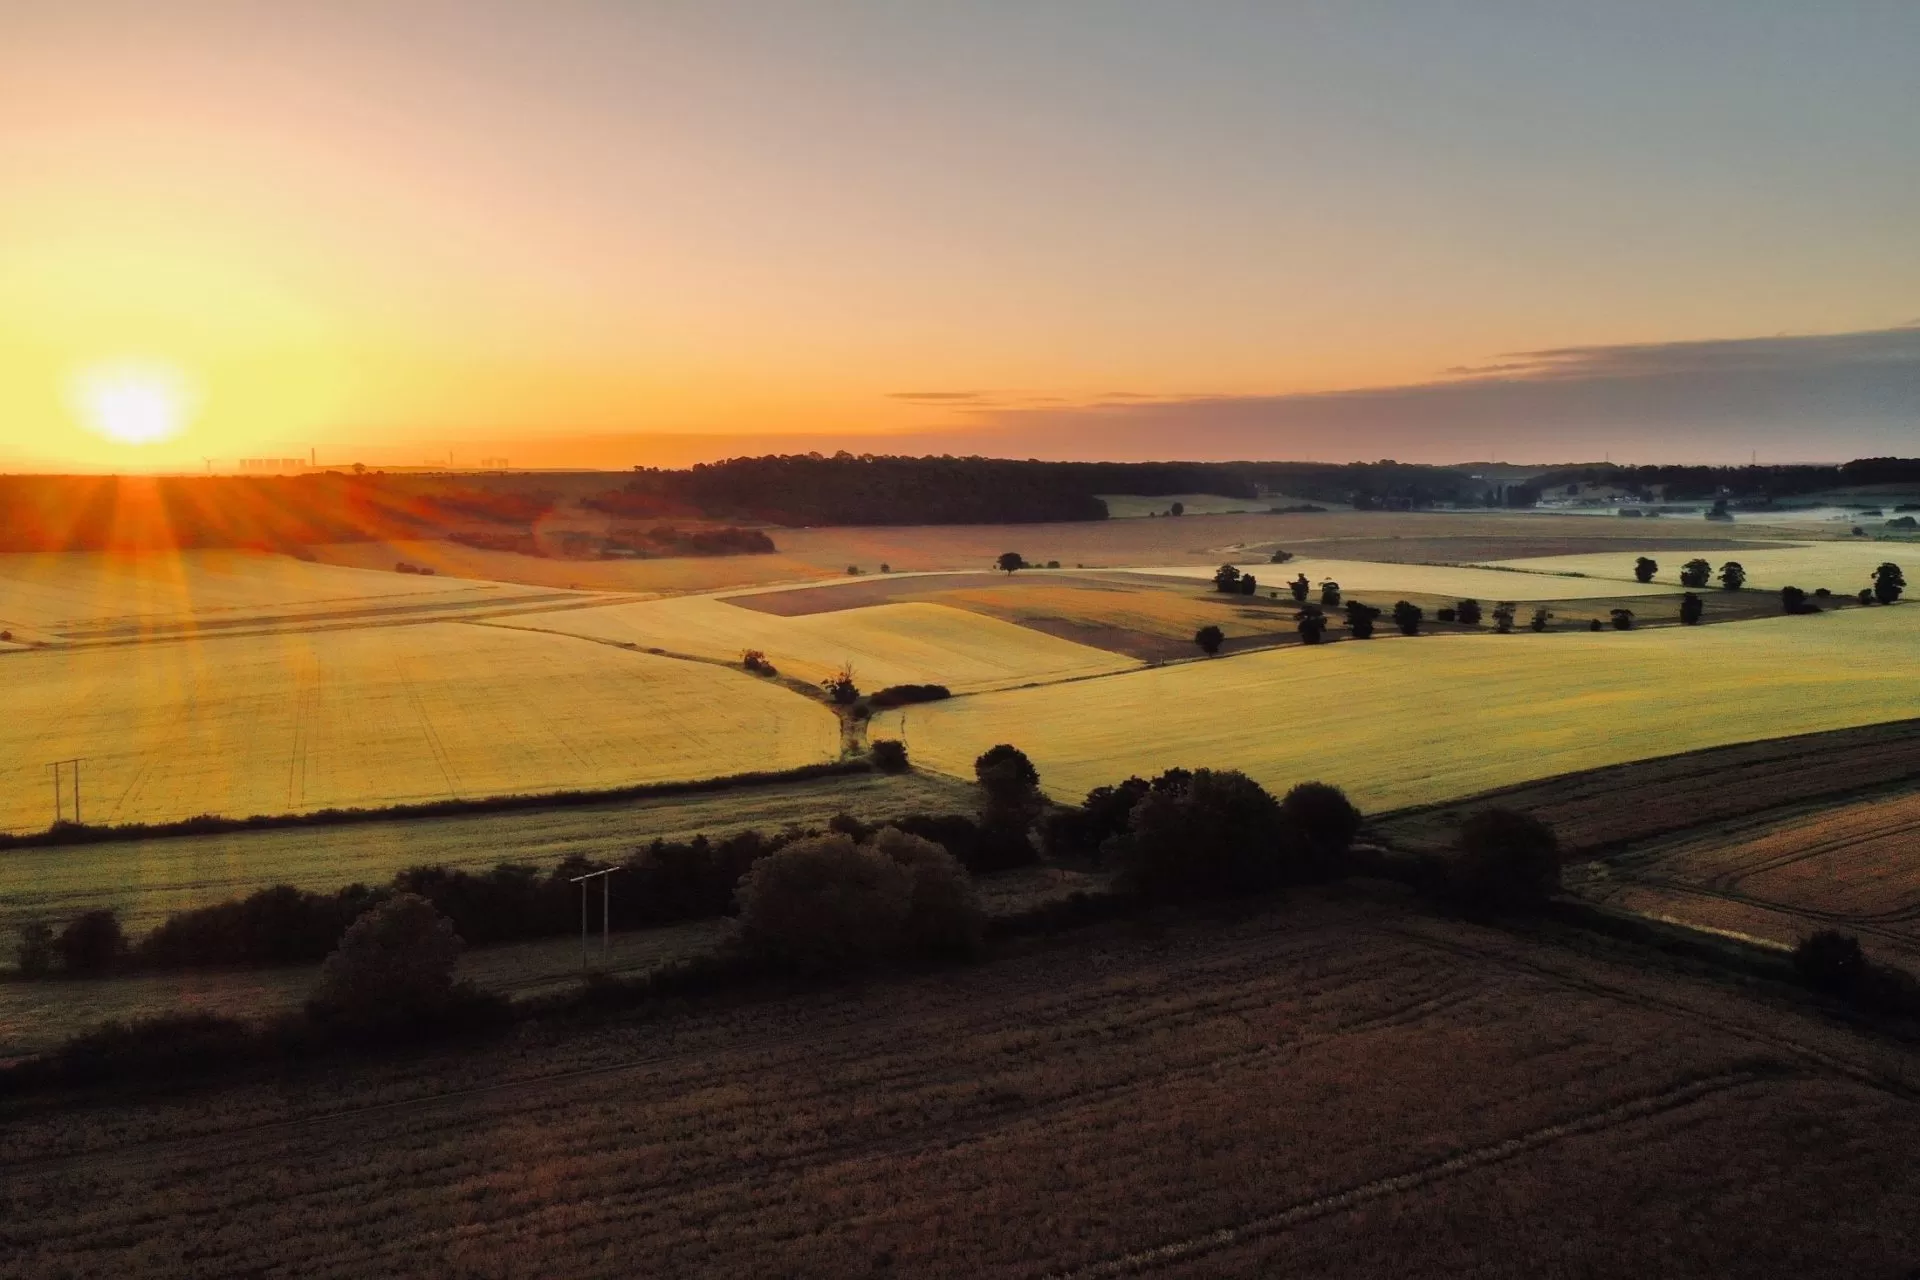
939	397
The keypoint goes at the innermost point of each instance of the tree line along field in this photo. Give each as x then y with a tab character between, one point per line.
295	722
1852	866
1401	723
1842	566
1382	581
1332	1087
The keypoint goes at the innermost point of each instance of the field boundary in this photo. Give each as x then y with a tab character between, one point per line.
212	824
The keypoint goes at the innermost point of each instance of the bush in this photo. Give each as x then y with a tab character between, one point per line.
1468	611
982	848
900	695
91	944
1209	834
1012	785
1102	816
1622	619
1504	861
1209	638
1407	616
756	661
825	904
278	925
1691	607
840	688
889	755
1830	961
944	918
1446	613
393	969
668	882
1326	818
171	1045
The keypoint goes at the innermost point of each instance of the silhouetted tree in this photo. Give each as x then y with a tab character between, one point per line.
1407	616
1300	586
1311	622
1691	607
1888	582
1595	625
1329	594
824	904
1505	860
1010	561
1210	834
1248	584
1830	961
1209	638
1695	573
1622	619
1468	612
1865	596
1644	568
1226	579
1732	576
1323	814
840	688
1360	619
889	755
1012	788
1541	617
1794	600
1280	557
92	943
392	969
1177	509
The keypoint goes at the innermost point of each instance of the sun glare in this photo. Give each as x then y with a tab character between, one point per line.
132	404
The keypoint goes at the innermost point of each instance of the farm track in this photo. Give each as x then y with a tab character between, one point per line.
1857	923
1644	1106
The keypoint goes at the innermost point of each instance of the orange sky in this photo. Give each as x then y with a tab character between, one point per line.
390	230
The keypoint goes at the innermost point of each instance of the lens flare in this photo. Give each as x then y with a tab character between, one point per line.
133	404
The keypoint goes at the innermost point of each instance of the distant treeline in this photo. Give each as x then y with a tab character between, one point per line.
92	513
1687	484
812	489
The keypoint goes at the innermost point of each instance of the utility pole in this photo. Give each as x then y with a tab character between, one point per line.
59	767
606	911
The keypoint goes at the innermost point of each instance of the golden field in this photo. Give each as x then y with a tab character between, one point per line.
1328	1088
1381	583
295	722
886	644
1843	567
1401	722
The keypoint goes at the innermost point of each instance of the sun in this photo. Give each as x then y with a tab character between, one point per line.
133	403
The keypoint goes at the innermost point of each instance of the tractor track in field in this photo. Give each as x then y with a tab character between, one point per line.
1644	1106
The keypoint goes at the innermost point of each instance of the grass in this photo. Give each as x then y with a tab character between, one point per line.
300	722
887	644
150	879
1327	1088
1402	723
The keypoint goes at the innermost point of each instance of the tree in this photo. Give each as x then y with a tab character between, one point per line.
1010	561
1541	616
840	688
1209	638
1329	594
1248	584
1208	834
36	949
943	909
1407	616
1012	788
1468	612
92	943
1323	814
392	969
1360	619
1865	596
1595	625
1311	623
1503	617
1691	607
1177	509
889	755
755	660
1794	600
1280	557
1644	568
1622	619
1830	961
825	903
1888	582
1505	860
1694	573
1226	579
1300	586
1732	576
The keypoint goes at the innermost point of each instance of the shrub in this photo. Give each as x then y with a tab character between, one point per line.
756	661
1541	616
1594	625
1691	607
36	949
1866	595
171	1045
1504	860
900	695
1830	961
889	755
277	925
668	882
1209	834
393	969
1503	617
1101	817
1323	815
840	688
1622	619
1468	611
1407	616
1209	638
1794	600
825	904
1280	557
943	910
92	943
981	847
1053	564
1446	613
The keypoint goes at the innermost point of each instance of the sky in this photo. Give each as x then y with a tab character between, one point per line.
600	233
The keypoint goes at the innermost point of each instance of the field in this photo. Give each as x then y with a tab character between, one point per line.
147	880
1380	581
886	644
1413	722
304	721
93	596
1135	506
1841	566
1854	866
1330	1088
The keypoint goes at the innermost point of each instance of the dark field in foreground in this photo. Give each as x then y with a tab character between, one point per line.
1333	1087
